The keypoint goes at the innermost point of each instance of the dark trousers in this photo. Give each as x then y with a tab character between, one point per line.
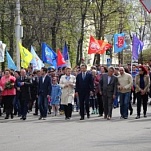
108	105
130	106
36	106
68	110
23	107
8	103
100	104
84	105
134	95
140	99
94	103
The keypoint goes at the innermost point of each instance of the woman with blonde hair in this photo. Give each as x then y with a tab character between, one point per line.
67	83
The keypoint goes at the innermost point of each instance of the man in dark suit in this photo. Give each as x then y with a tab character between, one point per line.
84	88
44	91
23	87
108	89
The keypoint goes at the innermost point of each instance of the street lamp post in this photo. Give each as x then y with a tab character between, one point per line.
18	33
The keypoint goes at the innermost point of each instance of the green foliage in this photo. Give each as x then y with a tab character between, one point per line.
146	55
57	21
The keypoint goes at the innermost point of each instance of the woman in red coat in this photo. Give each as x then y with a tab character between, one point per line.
8	92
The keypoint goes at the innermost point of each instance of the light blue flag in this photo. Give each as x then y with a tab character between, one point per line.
119	42
10	62
48	55
36	61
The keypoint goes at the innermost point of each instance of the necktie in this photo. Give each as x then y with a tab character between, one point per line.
83	75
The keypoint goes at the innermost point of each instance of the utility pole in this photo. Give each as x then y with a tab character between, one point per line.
18	31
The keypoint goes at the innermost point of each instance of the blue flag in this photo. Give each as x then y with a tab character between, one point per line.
65	54
137	47
10	62
119	42
48	55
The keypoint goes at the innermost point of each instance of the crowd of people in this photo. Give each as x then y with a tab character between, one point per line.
51	91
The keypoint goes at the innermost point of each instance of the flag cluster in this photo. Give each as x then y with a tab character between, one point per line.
62	59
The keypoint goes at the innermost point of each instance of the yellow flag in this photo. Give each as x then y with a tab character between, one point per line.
26	56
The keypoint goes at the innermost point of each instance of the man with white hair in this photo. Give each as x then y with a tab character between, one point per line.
108	89
125	82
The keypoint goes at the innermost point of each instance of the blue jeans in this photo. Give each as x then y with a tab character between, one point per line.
115	103
43	105
124	103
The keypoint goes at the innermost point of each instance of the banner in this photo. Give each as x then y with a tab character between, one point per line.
94	46
137	47
26	56
10	62
103	46
60	60
119	42
65	54
48	55
36	61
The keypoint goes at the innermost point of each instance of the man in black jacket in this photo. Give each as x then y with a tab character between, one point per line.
24	95
84	88
44	91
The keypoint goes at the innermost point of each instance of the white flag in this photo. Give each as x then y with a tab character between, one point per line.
2	51
36	61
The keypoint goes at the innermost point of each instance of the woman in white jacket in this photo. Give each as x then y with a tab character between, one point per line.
67	83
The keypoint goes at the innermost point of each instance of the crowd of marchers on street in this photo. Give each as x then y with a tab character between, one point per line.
60	92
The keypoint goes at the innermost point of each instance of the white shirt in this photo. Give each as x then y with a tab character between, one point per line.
43	78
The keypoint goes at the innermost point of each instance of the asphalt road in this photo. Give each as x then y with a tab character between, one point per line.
94	134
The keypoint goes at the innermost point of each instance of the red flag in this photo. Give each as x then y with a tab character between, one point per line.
104	46
60	59
94	46
121	41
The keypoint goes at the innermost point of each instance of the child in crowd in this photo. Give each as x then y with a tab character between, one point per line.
55	95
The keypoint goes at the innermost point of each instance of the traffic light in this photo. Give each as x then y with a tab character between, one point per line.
108	52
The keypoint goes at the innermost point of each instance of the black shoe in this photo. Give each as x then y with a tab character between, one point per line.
137	117
7	117
88	116
67	118
81	118
12	116
125	117
21	118
15	113
24	118
145	116
131	112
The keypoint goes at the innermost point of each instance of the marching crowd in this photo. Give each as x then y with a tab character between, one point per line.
53	91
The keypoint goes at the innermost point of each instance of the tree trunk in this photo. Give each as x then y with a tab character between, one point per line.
2	32
53	30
